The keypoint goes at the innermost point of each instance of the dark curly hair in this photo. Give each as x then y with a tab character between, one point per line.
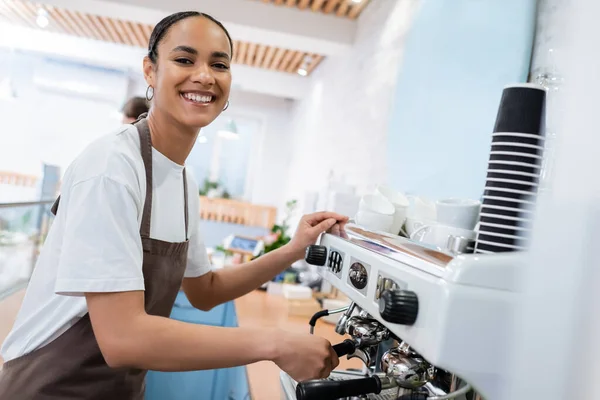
135	107
166	23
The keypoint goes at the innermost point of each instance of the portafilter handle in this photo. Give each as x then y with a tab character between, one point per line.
346	347
333	390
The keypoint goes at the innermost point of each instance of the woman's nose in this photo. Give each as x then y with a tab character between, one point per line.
204	75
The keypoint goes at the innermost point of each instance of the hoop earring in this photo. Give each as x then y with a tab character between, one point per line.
226	105
149	95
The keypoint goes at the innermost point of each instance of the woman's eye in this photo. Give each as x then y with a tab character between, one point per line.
221	66
183	61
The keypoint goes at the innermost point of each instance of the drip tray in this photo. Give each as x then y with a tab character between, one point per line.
288	386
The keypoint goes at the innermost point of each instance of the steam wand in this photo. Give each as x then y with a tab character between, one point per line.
324	313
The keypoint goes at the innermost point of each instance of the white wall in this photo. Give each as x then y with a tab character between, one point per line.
342	123
46	124
459	56
272	151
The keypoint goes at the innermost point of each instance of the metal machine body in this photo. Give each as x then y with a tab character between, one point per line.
455	311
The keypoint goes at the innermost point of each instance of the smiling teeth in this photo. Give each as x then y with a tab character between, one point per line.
197	98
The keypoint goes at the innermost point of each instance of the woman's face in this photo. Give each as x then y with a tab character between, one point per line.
191	78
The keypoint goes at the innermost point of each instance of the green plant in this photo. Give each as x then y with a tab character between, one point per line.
223	250
210	185
280	232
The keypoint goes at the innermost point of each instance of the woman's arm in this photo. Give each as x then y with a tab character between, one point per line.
129	337
220	286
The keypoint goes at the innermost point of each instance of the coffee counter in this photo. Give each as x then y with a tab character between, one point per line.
261	309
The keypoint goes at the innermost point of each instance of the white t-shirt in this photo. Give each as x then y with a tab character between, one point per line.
94	244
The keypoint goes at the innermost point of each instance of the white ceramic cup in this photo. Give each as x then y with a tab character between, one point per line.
394	197
438	234
400	203
374	221
376	204
412	224
460	213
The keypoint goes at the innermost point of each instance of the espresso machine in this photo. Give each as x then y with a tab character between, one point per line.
428	323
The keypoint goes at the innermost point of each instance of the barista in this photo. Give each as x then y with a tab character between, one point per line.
125	239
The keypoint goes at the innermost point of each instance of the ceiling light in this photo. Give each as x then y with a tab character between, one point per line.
303	69
356	1
42	18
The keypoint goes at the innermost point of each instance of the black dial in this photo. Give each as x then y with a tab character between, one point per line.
399	306
316	255
358	275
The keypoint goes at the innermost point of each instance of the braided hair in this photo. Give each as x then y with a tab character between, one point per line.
161	29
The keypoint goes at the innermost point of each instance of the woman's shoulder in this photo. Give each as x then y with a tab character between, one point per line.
115	156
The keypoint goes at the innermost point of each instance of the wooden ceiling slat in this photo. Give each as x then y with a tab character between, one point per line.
317	58
277	59
236	51
266	63
330	6
147	30
356	9
85	20
125	32
23	18
303	4
316	5
260	55
250	53
342	10
114	27
74	22
242	52
58	18
289	54
296	61
107	29
139	34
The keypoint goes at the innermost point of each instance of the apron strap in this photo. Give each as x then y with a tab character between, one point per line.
185	203
54	208
146	149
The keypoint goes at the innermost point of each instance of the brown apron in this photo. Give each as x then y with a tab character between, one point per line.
72	366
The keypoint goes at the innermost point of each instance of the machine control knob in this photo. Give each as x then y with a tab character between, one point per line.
316	255
399	306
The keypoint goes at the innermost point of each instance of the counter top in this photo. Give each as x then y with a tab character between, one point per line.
261	309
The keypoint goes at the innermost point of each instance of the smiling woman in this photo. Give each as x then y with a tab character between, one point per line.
189	83
126	239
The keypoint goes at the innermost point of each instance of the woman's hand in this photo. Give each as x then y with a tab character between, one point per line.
312	225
